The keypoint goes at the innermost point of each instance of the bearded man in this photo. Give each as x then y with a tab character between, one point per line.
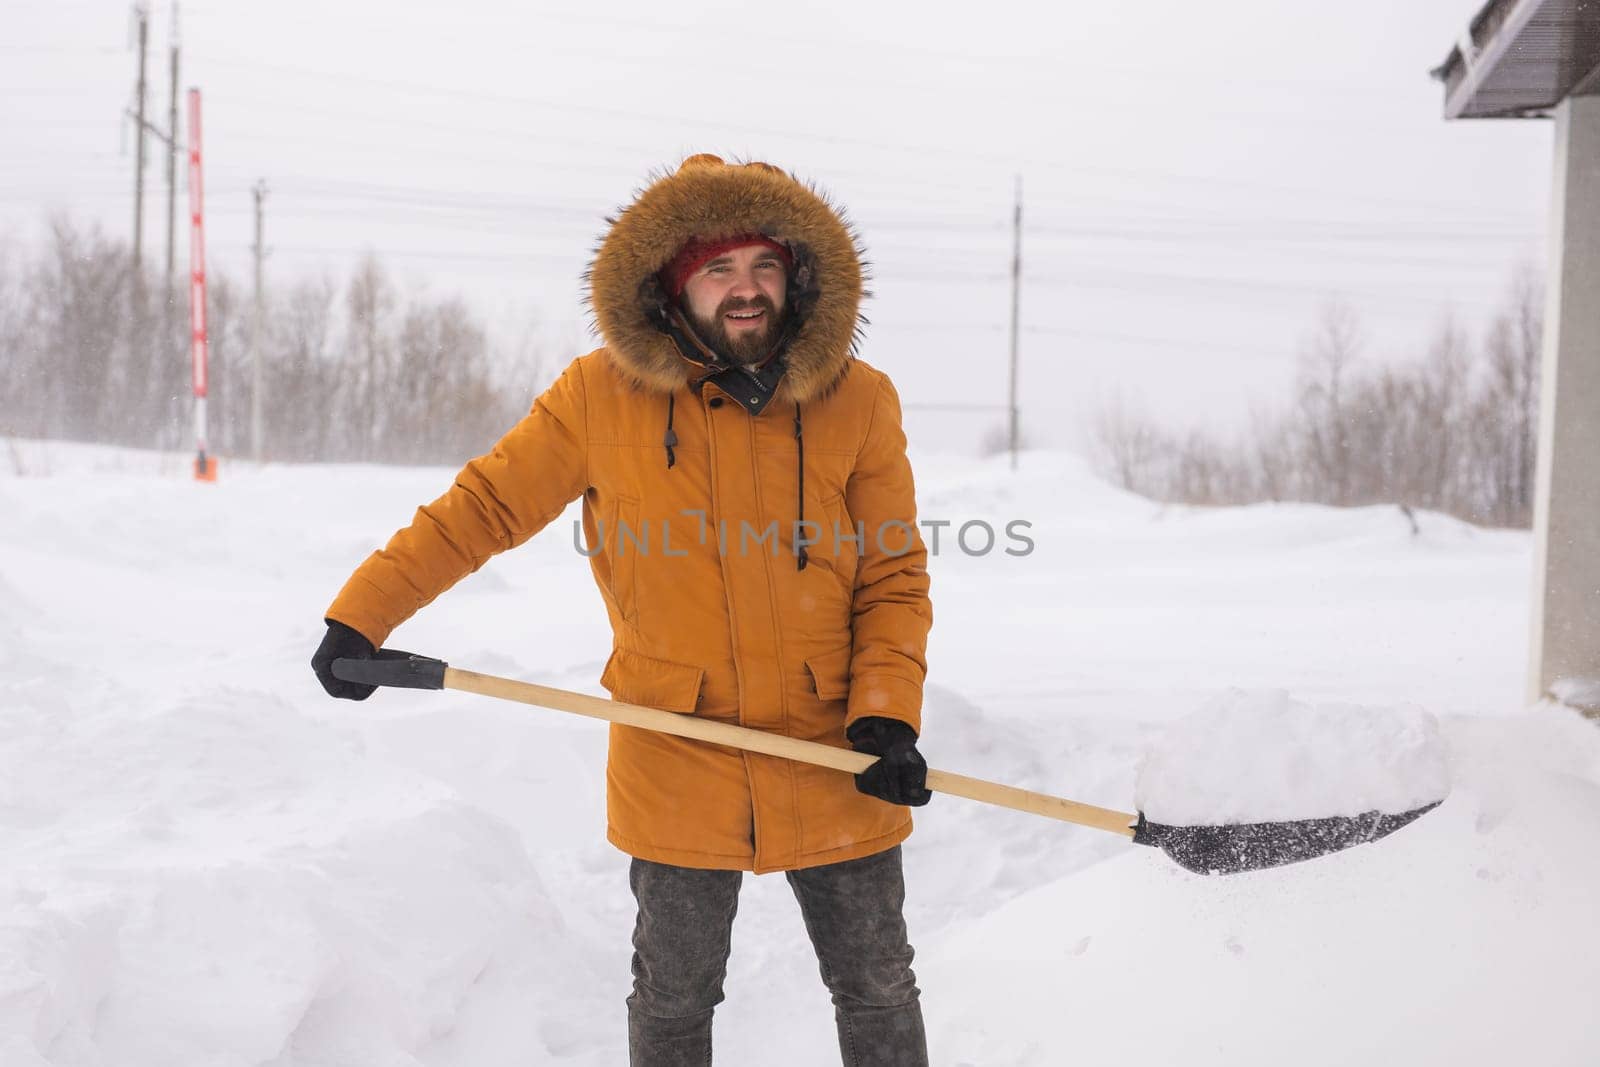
750	509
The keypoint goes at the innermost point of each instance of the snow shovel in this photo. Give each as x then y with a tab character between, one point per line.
1222	849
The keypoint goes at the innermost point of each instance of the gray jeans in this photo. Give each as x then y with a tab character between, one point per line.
852	911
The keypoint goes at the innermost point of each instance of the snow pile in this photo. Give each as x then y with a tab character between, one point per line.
1265	757
228	881
1468	938
1577	692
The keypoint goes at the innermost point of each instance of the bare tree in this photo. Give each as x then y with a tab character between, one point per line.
371	376
1452	432
369	303
1508	408
79	292
1324	367
301	373
18	383
440	353
1271	459
1129	446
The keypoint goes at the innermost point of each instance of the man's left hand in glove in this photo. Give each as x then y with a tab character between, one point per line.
900	775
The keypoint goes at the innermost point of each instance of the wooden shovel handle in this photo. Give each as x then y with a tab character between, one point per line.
741	737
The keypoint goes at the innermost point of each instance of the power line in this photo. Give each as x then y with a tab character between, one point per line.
367	194
1149	340
624	171
939	150
1174	343
627	171
1163	229
1146	227
417	253
1006	159
833	46
423	88
1171	229
1143	282
936	150
36	50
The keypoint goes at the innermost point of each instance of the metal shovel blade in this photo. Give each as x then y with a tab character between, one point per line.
1259	845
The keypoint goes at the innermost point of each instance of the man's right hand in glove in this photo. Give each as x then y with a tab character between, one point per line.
900	775
341	642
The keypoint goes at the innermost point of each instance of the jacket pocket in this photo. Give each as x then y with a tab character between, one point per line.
830	673
629	540
656	683
846	539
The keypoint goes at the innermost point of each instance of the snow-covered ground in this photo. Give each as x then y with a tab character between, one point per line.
208	862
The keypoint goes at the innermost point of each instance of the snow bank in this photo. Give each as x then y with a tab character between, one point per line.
1468	938
1577	692
228	881
1265	757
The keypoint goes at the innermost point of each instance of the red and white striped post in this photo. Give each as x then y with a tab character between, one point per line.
205	467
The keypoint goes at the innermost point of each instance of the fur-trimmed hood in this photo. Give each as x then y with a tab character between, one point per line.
708	198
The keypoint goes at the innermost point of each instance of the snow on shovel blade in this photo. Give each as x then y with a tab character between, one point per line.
1257	845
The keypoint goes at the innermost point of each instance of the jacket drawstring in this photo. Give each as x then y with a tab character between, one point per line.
800	479
671	437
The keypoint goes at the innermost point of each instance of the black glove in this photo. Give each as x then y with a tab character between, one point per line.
901	775
341	642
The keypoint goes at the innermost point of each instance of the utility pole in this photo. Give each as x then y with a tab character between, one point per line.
172	163
1016	297
142	13
205	467
257	386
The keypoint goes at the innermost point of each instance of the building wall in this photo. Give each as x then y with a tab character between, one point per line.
1565	650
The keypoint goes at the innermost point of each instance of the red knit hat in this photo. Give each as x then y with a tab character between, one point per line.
697	252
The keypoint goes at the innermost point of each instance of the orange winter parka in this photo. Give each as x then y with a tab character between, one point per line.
757	548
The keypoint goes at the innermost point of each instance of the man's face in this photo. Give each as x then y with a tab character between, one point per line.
736	302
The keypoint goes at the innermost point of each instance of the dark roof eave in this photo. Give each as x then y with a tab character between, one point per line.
1520	58
1493	11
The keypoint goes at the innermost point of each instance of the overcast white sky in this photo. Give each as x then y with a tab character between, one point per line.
1199	179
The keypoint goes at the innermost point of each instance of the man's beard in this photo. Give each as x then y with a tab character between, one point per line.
748	346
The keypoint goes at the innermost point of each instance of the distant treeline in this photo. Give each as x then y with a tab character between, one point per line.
361	371
351	371
1454	431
